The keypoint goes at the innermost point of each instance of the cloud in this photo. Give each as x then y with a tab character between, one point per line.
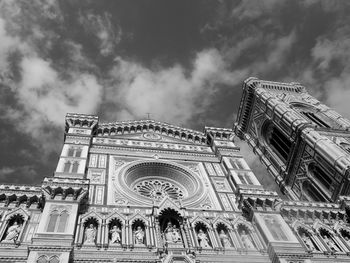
169	94
4	171
252	9
44	91
101	27
45	97
18	174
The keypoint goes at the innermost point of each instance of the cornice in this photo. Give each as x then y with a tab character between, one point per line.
166	154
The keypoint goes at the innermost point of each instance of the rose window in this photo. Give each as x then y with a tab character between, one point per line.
157	189
146	182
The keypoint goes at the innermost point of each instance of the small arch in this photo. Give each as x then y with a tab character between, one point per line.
327	238
306	236
113	131
54	259
105	132
42	259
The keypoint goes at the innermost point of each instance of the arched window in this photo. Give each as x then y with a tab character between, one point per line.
276	140
62	221
57	222
52	221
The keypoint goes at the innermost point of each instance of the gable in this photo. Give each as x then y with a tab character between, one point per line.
150	130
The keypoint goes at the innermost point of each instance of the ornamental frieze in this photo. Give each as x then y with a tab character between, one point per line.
155	145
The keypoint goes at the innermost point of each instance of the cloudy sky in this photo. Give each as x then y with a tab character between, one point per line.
181	61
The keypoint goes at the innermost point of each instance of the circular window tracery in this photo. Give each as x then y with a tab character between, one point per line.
158	189
144	182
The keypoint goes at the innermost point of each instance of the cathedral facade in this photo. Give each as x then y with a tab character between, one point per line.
148	191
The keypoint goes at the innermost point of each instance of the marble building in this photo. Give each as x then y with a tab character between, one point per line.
148	191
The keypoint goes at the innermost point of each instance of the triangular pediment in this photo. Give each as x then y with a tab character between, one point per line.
151	130
168	203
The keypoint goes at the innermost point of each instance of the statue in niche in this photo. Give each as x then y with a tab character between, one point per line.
139	236
172	234
225	240
246	240
13	232
90	234
176	234
203	239
330	243
308	242
115	235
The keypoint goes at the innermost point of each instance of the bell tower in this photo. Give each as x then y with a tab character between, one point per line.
304	144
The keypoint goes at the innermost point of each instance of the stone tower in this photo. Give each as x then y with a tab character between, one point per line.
304	144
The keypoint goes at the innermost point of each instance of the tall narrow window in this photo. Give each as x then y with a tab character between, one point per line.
52	221
315	119
280	143
241	178
320	175
248	179
236	164
71	151
345	146
62	222
245	178
66	168
78	152
75	167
